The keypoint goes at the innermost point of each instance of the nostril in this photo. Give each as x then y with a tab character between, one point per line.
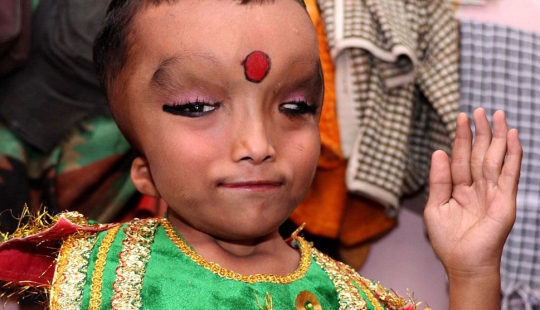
255	159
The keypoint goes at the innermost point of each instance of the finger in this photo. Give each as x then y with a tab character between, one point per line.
482	142
494	157
461	152
440	180
512	165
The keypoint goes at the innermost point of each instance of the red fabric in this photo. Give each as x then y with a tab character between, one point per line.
25	262
31	260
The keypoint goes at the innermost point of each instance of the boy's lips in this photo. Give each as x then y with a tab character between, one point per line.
252	185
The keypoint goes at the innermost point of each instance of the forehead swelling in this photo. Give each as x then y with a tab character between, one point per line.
224	31
225	24
219	29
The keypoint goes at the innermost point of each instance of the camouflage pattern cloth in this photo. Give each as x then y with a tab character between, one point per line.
87	172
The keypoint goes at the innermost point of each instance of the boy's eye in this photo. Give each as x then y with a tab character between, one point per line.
298	108
191	109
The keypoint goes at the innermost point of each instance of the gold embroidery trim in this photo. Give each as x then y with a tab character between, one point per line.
70	275
97	275
372	299
133	258
348	294
386	296
305	261
344	278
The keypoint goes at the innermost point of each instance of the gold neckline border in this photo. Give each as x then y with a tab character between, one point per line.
305	261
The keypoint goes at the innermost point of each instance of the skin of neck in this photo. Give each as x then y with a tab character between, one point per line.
268	254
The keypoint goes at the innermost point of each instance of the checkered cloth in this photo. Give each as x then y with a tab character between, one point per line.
500	70
396	90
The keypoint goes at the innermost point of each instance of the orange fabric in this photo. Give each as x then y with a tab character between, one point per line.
328	210
363	219
323	207
331	155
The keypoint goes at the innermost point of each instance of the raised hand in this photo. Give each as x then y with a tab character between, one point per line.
472	205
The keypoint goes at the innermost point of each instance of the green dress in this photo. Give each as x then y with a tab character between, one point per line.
146	264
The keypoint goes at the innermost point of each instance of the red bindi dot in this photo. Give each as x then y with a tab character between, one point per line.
256	66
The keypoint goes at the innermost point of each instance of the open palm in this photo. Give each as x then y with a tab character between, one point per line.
472	202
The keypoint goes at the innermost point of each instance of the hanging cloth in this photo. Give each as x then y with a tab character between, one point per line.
396	90
323	207
500	70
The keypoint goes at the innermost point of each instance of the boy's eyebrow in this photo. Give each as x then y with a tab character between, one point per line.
316	69
163	78
314	84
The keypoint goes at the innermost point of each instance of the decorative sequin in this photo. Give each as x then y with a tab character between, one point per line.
305	261
307	301
97	275
71	267
132	264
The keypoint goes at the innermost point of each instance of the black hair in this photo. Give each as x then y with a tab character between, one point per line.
110	46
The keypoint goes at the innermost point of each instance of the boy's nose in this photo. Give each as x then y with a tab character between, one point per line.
252	142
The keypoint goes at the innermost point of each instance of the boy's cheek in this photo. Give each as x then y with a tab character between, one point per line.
304	150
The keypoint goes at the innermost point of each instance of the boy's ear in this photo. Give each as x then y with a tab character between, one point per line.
142	177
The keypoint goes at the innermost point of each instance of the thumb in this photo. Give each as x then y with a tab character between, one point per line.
440	180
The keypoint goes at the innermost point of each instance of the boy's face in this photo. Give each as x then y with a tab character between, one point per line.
230	156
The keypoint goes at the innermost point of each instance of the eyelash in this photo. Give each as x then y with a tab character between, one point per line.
301	108
191	109
202	108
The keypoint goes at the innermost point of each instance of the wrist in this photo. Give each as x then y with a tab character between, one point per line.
475	289
476	273
480	267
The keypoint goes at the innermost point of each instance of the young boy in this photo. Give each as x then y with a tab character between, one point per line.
222	99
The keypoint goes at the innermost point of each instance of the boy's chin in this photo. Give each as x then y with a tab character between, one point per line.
247	233
247	227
